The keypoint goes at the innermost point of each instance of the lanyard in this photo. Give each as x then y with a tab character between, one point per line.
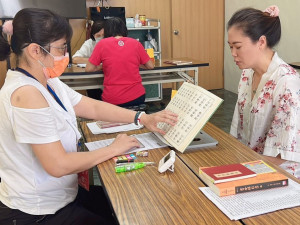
48	87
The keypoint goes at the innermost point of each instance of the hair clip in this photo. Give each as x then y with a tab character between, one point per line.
273	10
7	27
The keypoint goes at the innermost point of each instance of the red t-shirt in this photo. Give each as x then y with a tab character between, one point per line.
120	59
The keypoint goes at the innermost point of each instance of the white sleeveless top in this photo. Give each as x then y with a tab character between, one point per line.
25	185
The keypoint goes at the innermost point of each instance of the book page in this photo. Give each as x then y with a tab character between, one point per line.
148	141
257	202
178	62
194	106
101	127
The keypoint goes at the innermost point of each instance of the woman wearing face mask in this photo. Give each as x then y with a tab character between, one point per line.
38	130
83	54
266	116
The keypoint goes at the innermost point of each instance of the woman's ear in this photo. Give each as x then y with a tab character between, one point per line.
262	42
34	51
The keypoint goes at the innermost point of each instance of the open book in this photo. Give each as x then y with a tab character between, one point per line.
178	62
194	107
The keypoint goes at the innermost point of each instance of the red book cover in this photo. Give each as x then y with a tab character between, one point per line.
225	173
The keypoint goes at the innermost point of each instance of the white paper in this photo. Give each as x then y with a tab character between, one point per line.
82	65
255	203
148	140
95	129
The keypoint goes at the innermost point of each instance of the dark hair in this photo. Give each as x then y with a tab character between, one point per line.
96	27
33	25
115	26
4	47
256	23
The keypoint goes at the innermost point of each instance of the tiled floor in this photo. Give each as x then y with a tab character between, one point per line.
221	118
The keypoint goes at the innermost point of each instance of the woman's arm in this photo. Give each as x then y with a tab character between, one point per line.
78	60
98	110
92	68
148	65
57	162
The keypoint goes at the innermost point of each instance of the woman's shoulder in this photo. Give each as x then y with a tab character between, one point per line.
283	69
286	75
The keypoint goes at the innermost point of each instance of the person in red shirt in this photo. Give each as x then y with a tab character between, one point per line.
121	58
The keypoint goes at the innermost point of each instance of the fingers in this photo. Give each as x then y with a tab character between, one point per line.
124	139
162	132
168	117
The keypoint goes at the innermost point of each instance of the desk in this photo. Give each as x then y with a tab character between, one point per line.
296	65
147	197
78	79
228	151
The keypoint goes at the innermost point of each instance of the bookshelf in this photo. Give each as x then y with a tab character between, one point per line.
153	91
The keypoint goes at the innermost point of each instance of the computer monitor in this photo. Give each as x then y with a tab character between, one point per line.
104	13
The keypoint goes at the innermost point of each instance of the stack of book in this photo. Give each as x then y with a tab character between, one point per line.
243	177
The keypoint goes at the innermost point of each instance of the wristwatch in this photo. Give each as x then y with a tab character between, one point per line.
137	118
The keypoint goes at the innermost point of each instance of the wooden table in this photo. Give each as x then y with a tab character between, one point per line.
78	79
147	197
296	65
228	151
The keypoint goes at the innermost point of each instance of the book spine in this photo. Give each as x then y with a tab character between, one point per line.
249	187
261	186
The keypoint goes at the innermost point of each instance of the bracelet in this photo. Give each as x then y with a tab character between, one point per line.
137	118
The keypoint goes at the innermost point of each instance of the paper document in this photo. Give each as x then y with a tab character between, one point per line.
101	127
82	65
257	202
148	141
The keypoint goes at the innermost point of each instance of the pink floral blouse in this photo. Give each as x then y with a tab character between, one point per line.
270	122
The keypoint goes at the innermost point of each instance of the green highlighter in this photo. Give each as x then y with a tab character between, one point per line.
131	166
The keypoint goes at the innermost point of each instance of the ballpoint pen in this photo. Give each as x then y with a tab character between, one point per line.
125	167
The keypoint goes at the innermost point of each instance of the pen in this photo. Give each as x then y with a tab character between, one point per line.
125	167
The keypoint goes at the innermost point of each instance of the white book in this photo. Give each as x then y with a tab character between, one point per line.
194	106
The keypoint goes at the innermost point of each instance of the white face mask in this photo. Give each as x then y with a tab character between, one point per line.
98	39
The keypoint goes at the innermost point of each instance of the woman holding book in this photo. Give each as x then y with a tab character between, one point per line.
267	113
38	129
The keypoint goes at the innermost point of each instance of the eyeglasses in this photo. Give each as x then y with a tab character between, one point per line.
63	50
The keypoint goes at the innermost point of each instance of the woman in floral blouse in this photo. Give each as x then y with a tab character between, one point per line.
267	113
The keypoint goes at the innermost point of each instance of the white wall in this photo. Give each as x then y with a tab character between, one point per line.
289	45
